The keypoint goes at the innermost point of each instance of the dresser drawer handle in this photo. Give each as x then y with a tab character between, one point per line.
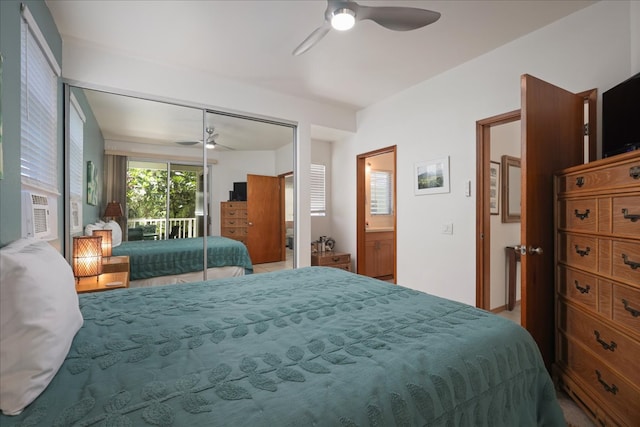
633	311
630	217
580	181
613	389
634	265
232	231
583	252
582	216
232	222
336	258
231	213
604	344
583	290
634	172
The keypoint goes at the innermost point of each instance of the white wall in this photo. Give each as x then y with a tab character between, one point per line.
322	225
505	139
591	48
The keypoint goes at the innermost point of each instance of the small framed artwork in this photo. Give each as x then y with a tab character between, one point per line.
92	184
432	177
494	188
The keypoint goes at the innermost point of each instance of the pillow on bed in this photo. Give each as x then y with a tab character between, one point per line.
116	232
88	230
39	316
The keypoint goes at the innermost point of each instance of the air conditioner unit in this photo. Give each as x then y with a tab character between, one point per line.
36	218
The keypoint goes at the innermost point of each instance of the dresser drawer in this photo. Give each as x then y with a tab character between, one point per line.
611	346
578	287
234	205
234	232
626	261
229	212
579	251
578	215
622	175
626	216
625	307
334	259
235	222
617	393
346	267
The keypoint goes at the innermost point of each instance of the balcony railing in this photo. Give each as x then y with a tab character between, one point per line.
161	228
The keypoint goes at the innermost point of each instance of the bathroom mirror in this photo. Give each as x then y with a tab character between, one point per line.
511	189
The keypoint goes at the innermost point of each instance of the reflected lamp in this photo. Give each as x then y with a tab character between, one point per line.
106	241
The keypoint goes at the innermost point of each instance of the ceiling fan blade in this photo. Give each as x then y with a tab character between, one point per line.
213	145
187	142
312	39
397	18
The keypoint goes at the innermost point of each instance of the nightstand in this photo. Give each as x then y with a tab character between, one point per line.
115	264
332	259
104	282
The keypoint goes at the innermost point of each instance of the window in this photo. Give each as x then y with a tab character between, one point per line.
380	192
76	137
39	112
318	201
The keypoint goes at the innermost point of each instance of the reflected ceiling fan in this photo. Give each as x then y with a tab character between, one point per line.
211	140
343	14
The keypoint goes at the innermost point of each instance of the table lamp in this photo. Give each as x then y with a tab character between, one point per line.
106	241
87	256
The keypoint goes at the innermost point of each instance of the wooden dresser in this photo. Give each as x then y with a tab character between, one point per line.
598	287
332	259
233	220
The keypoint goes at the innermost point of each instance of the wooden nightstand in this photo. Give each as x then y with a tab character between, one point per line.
104	282
332	259
115	264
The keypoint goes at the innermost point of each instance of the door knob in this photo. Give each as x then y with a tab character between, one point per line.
250	223
520	248
534	251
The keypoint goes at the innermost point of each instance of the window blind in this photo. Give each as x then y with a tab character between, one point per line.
380	192
76	135
39	112
318	201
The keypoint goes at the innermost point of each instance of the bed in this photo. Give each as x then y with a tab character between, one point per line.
160	262
311	346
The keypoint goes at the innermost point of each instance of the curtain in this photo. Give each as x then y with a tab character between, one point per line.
115	184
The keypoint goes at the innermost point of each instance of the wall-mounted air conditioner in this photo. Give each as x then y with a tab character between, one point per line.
36	215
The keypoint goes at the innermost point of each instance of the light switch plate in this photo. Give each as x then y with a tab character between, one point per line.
447	228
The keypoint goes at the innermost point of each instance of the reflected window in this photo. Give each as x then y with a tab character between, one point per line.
76	136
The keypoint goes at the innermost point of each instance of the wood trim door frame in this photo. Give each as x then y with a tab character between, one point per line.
360	210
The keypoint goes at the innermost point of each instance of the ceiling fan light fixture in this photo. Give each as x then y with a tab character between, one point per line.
343	19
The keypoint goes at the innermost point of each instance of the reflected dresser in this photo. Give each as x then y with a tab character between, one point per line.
233	220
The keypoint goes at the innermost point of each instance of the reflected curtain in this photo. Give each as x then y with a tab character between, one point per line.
115	184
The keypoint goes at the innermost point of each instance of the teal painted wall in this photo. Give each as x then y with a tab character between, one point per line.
93	149
10	186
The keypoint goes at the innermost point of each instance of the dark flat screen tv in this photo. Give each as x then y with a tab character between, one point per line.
240	191
621	118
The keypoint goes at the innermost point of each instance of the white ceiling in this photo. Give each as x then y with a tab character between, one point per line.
252	41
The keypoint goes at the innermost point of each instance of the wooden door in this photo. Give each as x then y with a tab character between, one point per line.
552	127
264	212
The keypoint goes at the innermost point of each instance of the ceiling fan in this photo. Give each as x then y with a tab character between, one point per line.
343	14
211	140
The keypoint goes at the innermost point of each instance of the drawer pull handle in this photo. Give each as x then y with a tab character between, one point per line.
630	217
634	172
613	389
634	265
633	311
336	258
232	222
580	181
604	344
583	290
582	216
583	252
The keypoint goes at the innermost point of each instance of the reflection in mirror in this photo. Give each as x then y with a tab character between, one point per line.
149	157
511	180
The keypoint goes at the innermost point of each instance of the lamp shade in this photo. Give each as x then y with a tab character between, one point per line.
106	241
113	210
87	256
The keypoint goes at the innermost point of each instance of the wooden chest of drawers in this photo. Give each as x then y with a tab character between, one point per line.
233	220
598	287
332	259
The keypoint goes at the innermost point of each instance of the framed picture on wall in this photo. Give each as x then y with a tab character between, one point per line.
494	188
432	176
92	184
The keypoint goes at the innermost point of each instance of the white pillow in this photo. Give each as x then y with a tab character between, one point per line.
116	232
39	316
88	230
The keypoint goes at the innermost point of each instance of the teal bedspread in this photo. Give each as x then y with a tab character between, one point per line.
153	258
313	346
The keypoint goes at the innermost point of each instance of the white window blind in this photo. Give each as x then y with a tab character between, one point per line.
318	201
380	192
39	112
76	135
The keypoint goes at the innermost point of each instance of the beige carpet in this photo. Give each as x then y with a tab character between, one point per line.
573	414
